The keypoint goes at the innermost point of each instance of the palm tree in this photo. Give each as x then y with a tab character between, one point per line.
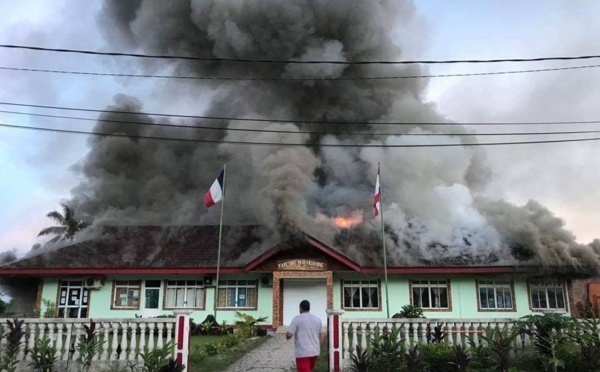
68	225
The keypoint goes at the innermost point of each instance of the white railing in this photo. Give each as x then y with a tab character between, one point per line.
360	332
121	339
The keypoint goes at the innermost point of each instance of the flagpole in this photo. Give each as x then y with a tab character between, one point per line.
387	297
219	249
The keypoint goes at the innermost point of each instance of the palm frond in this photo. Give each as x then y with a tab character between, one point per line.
57	217
67	212
53	230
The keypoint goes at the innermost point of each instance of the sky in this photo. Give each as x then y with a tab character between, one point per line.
37	170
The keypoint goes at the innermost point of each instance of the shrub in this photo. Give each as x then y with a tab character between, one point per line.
43	355
460	358
500	346
552	344
586	335
89	345
360	361
197	356
212	349
437	334
410	312
210	327
14	337
230	341
413	360
437	357
158	360
247	324
50	311
387	350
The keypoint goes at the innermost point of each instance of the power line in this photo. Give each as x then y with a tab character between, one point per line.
167	125
346	78
243	60
69	131
296	121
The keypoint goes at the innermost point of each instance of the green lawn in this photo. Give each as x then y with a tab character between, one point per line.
225	358
203	340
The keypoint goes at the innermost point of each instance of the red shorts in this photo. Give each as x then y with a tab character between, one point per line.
306	364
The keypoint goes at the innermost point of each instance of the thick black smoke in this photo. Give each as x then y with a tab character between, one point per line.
432	204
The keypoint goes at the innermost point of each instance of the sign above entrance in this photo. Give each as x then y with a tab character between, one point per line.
302	264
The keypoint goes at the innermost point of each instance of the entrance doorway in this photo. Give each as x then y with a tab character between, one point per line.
296	290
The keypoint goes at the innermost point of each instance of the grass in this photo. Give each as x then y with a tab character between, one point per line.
226	357
200	341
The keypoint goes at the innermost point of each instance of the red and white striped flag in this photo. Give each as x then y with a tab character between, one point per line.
216	192
377	197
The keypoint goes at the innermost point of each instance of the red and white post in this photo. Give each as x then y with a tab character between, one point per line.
182	337
334	322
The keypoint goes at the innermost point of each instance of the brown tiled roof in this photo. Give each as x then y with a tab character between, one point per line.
155	247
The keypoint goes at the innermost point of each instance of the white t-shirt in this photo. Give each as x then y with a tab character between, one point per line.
306	329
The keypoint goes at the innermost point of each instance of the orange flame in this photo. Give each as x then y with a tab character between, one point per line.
346	222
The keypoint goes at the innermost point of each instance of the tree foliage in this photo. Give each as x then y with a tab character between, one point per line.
67	226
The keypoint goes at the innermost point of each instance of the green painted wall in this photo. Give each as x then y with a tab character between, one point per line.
49	292
100	299
463	298
463	291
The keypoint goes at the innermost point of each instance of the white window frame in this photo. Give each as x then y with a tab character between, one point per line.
85	293
429	285
132	285
495	286
146	289
224	284
544	287
360	284
176	284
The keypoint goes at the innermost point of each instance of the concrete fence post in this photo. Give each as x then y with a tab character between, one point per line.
182	337
334	321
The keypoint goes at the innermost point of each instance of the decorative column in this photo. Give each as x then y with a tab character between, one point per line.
277	301
334	324
182	337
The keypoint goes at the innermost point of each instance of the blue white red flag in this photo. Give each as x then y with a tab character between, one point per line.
216	192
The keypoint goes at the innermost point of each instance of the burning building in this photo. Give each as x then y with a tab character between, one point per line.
152	270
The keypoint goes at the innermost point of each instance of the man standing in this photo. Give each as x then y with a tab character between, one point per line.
308	334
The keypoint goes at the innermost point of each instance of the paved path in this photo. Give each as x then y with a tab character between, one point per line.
276	354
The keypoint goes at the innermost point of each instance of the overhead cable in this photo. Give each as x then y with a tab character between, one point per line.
308	144
343	78
294	61
203	127
295	121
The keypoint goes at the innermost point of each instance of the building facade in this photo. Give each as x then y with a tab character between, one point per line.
129	277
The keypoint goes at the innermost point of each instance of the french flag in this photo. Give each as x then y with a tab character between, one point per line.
377	197
216	192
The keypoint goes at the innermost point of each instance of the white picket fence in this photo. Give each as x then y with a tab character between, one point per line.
360	332
121	339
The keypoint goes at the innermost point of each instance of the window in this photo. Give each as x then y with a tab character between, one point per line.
547	296
495	295
152	293
430	294
73	299
184	294
237	293
126	294
361	294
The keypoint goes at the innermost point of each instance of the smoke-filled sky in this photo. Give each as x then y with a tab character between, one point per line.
438	201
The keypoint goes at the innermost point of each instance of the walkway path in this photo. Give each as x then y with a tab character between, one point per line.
276	354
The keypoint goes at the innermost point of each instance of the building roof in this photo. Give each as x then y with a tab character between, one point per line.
193	250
